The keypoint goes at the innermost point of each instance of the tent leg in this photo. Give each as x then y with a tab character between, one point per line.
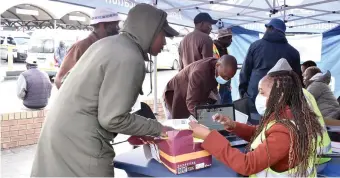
155	103
155	85
55	24
284	11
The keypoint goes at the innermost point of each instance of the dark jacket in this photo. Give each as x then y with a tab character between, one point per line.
262	56
38	88
190	87
323	95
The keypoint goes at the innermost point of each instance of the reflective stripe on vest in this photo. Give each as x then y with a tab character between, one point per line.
268	172
325	147
215	51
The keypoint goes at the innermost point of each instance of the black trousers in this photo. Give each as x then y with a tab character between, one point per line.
145	111
334	136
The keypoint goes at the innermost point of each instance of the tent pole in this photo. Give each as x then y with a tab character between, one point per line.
269	5
155	85
155	103
54	24
284	10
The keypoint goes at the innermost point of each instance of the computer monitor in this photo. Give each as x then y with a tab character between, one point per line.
242	105
204	115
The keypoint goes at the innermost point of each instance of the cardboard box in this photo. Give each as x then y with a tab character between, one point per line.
180	152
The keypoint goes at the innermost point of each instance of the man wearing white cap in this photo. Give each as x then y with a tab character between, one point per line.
105	23
34	86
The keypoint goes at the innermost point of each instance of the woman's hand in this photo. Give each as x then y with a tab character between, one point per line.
199	131
225	121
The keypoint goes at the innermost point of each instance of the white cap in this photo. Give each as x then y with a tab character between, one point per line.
104	15
281	65
31	60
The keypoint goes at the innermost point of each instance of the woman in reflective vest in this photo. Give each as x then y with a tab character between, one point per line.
285	143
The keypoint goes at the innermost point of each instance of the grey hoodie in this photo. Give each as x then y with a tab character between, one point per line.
95	101
324	96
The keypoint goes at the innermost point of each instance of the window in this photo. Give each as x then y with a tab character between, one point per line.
2	39
41	46
21	40
10	41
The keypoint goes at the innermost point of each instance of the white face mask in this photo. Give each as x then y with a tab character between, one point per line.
260	104
220	80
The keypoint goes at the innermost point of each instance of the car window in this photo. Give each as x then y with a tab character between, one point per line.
10	41
41	46
2	39
21	40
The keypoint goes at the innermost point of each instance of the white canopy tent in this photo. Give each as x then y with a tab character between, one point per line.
314	16
301	16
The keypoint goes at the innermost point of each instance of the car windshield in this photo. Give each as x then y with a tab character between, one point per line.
41	46
21	40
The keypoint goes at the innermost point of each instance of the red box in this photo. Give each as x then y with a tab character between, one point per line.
180	152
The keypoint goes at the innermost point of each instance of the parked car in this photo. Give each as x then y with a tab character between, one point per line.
43	44
17	41
6	43
22	47
167	59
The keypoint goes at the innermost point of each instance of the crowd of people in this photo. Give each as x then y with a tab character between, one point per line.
101	77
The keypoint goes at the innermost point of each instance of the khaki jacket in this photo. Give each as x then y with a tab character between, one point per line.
94	103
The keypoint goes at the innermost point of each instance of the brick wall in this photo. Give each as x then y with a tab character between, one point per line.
160	113
23	128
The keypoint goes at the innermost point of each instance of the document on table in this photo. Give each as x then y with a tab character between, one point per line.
151	151
335	147
241	117
333	128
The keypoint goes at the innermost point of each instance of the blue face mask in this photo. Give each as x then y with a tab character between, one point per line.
220	80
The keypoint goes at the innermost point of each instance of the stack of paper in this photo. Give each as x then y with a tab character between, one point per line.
178	124
335	147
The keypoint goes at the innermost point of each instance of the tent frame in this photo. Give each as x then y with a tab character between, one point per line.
273	9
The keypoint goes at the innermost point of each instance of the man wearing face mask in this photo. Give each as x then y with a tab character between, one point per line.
197	45
220	46
105	23
192	86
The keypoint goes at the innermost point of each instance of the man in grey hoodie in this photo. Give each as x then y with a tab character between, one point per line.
95	101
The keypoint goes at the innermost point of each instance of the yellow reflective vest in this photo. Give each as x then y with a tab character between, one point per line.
215	51
268	172
324	147
326	142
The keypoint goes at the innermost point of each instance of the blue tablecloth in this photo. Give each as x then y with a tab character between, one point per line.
135	164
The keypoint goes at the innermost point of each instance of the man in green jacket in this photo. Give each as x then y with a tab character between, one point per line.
95	101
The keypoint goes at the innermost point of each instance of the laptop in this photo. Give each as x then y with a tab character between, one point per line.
204	115
242	106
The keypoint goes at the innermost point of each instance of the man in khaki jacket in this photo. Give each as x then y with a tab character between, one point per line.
96	98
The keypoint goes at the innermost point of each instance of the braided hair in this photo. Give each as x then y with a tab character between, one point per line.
305	128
